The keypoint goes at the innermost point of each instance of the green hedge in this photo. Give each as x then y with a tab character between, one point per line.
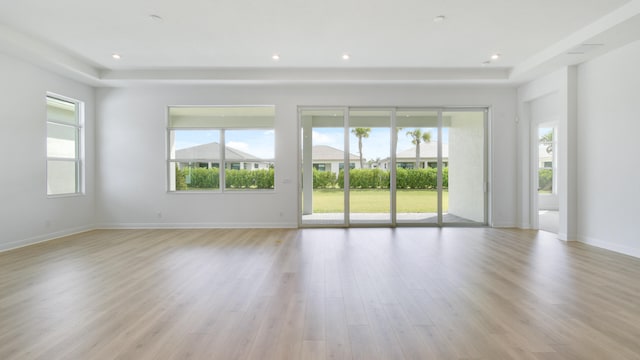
545	179
323	179
202	178
405	178
366	179
249	179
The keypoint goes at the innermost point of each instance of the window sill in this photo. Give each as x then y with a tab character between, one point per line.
58	196
227	191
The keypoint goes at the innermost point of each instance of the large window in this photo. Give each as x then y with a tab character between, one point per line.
64	146
221	148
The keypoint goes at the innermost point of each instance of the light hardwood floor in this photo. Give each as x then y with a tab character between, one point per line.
408	293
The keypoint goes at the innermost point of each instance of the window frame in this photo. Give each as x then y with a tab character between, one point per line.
78	159
223	164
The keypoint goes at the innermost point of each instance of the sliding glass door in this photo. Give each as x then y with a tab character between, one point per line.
393	167
369	191
323	159
417	159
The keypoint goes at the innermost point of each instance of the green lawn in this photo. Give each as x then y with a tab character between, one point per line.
378	200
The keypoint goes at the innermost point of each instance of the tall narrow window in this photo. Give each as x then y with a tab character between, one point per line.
221	148
64	137
546	160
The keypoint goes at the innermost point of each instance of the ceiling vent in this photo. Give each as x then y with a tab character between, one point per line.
584	48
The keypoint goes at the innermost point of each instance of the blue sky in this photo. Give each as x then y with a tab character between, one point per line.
377	145
544	130
256	142
261	142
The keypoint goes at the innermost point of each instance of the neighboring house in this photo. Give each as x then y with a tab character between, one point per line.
327	158
234	158
428	157
545	159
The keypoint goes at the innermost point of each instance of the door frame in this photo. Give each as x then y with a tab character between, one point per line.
392	171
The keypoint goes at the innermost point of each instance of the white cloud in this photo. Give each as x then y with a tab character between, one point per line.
323	139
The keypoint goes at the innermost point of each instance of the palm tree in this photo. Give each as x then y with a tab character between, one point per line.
395	150
547	139
416	138
361	133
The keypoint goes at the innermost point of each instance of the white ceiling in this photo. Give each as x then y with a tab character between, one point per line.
388	41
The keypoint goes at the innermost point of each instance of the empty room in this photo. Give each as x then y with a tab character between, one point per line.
319	179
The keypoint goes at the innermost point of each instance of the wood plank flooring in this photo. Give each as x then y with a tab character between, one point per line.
406	293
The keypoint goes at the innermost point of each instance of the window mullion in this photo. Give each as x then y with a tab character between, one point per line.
223	164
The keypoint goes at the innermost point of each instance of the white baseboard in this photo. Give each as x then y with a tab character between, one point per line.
635	252
504	225
44	238
284	225
525	226
58	234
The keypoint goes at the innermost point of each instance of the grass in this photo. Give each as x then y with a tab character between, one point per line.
378	201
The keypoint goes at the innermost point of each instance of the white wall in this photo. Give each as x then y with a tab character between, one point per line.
466	165
609	150
548	202
26	214
131	141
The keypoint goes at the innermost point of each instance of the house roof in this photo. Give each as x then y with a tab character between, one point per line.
329	153
212	151
427	151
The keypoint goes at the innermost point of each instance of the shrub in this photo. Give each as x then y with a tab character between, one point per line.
341	179
445	177
405	178
365	179
202	178
323	179
181	179
249	179
545	179
417	178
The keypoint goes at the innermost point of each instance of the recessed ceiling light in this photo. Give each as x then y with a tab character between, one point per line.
155	17
439	18
275	57
495	56
486	63
346	57
116	56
